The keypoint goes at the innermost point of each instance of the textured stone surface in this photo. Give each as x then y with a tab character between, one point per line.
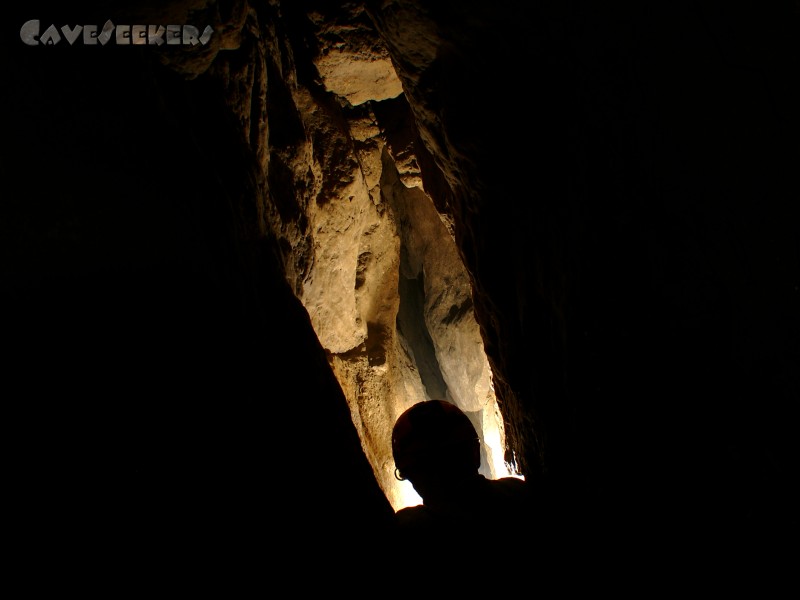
364	248
351	60
616	182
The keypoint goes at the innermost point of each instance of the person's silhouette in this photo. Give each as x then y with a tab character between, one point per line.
437	449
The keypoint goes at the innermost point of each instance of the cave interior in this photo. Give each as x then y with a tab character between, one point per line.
227	268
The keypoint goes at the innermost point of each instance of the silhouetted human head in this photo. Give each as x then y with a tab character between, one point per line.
435	445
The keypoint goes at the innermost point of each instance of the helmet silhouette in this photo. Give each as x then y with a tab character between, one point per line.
434	438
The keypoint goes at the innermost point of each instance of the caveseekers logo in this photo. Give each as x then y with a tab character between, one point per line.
122	35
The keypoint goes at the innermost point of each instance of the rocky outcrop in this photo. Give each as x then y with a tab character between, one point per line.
228	267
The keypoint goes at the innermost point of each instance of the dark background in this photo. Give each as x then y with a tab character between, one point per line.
167	408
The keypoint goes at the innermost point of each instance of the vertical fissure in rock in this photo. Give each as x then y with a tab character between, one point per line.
411	326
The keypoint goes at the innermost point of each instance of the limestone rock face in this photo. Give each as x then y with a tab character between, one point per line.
570	219
436	260
364	248
357	79
352	61
384	286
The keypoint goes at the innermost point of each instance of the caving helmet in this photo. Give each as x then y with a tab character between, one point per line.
434	437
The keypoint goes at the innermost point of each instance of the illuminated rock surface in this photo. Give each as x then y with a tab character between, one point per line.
216	261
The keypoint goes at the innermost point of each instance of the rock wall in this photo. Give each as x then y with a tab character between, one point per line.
619	164
214	258
363	246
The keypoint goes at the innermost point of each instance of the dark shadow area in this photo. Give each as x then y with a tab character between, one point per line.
623	188
169	414
411	324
